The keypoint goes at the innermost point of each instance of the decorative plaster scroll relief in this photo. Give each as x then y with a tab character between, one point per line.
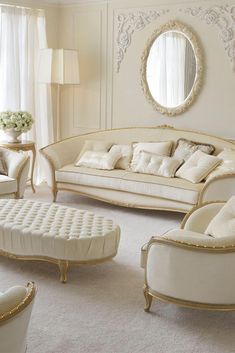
127	24
223	18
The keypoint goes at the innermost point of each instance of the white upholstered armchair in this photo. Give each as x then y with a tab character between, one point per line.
187	267
15	310
13	184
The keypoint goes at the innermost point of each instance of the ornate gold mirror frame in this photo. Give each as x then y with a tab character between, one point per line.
181	28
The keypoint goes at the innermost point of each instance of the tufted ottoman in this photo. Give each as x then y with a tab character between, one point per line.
62	235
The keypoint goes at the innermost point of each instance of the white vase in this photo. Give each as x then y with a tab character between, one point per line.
12	135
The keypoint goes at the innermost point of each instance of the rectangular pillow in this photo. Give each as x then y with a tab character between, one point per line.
185	148
223	224
126	152
149	163
3	165
160	148
98	160
94	145
197	167
227	165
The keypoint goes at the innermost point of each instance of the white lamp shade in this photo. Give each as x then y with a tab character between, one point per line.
58	66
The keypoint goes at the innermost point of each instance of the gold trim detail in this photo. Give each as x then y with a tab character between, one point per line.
25	302
180	27
185	303
61	263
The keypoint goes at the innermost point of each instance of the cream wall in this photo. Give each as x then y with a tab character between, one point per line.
107	99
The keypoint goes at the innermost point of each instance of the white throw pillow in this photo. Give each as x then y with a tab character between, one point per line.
160	148
94	145
197	167
98	160
223	224
150	163
227	165
126	155
185	148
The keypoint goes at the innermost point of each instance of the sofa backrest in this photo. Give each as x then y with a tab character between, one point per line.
70	148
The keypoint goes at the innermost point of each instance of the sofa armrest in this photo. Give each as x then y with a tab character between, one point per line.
220	188
22	179
199	217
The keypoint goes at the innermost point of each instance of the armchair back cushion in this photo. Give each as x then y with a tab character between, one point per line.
223	224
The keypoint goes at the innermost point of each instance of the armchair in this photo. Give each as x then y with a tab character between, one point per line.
15	310
189	268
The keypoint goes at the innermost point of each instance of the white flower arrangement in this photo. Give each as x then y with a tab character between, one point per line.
18	121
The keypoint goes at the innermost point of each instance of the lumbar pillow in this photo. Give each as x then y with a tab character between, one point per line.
160	148
126	155
94	145
223	224
197	167
98	160
227	166
185	148
150	163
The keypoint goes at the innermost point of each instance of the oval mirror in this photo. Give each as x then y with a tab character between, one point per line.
171	68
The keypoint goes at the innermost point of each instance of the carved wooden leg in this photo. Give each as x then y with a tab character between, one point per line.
148	299
54	191
63	266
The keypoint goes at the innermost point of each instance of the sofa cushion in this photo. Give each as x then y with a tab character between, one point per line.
223	224
197	167
151	163
94	145
227	165
185	148
121	180
98	160
7	185
126	152
160	148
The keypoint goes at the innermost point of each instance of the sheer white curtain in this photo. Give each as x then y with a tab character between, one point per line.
166	69
22	35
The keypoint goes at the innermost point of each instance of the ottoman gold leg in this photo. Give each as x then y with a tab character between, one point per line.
148	299
63	266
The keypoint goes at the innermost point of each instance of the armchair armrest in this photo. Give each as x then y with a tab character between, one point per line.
219	188
199	217
178	267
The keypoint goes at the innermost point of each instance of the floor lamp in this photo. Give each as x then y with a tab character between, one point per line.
60	67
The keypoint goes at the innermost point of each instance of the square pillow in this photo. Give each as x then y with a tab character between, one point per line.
150	163
223	224
94	145
160	148
197	167
126	155
227	165
185	148
98	160
3	165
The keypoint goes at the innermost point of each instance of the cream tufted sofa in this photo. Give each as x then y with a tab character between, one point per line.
129	189
189	268
13	185
15	311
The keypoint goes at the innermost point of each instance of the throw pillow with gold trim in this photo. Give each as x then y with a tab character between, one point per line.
197	167
98	160
150	163
185	148
3	165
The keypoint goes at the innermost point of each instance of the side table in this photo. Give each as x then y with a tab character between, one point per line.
23	146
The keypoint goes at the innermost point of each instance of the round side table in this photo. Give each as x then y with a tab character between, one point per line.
23	146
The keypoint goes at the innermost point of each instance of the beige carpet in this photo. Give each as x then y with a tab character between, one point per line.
100	309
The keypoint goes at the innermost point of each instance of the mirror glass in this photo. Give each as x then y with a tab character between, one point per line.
171	69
